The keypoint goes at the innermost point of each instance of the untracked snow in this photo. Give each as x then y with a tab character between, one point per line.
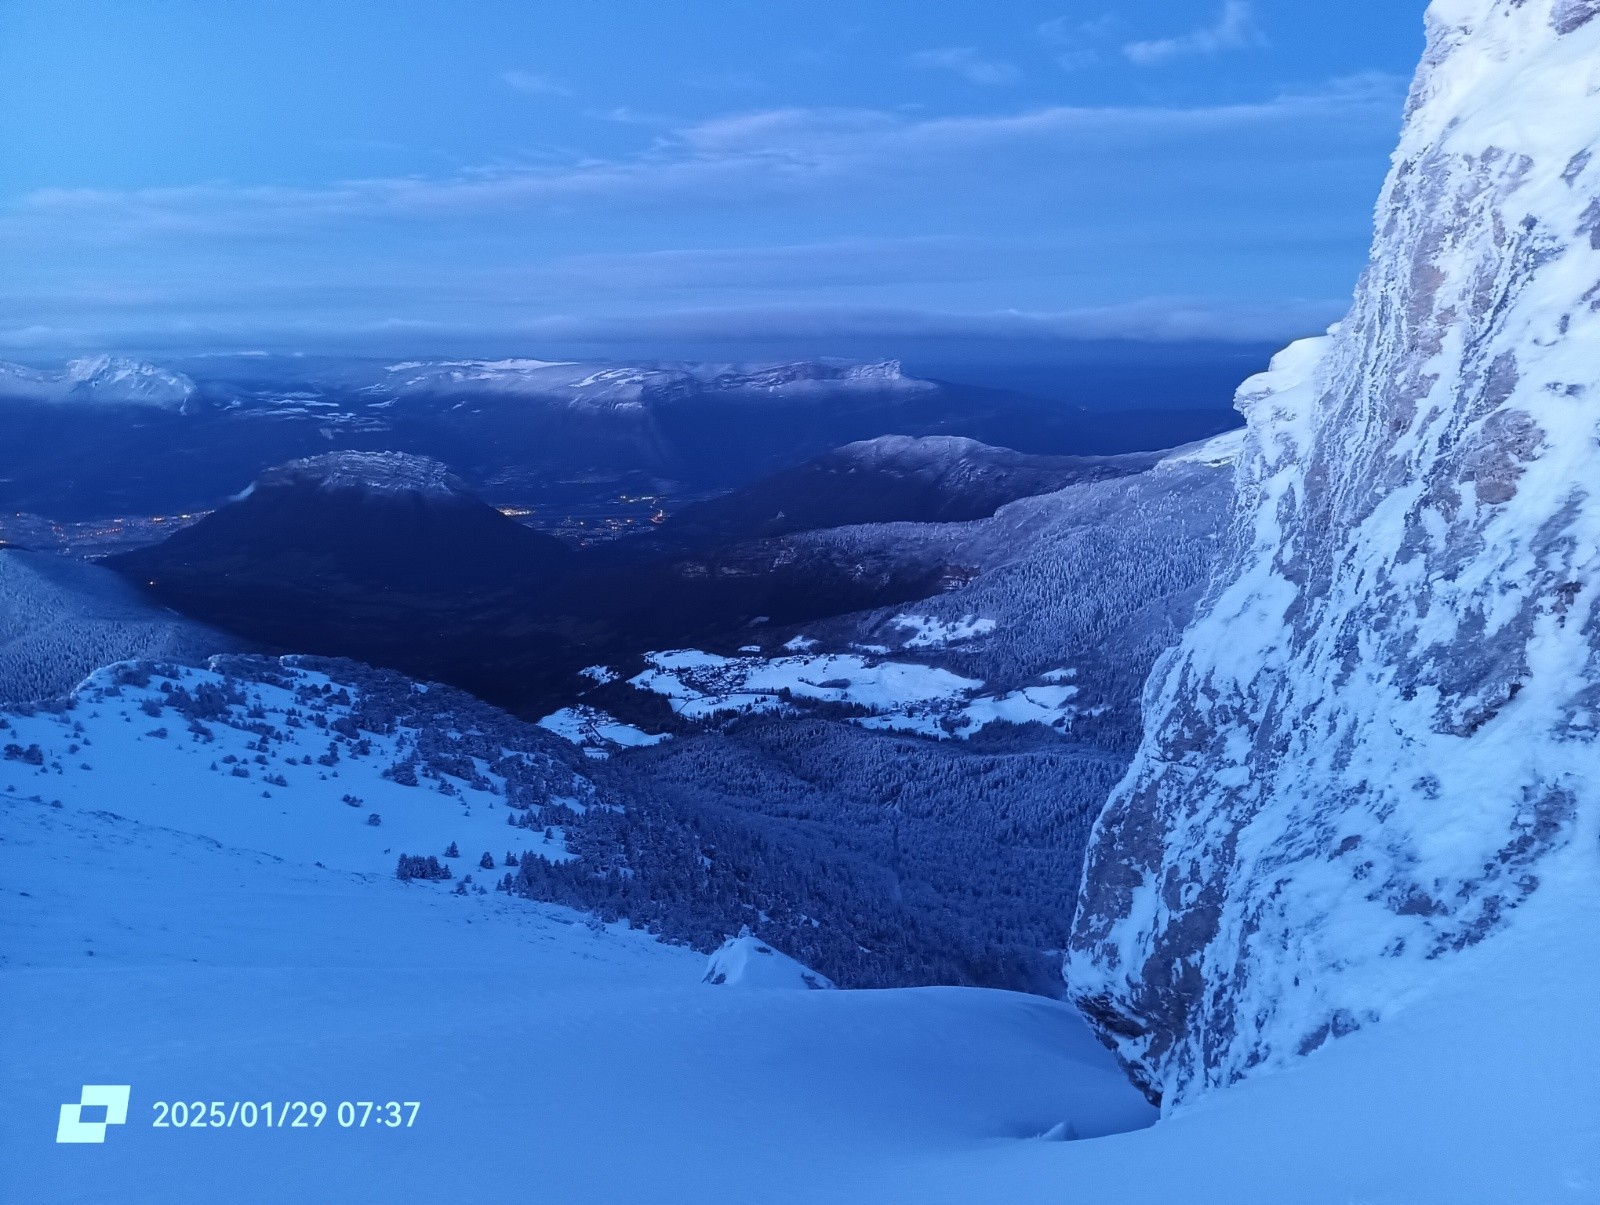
593	1065
160	930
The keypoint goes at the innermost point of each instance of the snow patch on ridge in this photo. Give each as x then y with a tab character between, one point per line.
898	696
1216	452
598	732
930	632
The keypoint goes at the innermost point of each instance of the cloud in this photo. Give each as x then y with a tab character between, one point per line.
848	222
806	328
622	115
966	62
1384	87
736	160
1148	320
535	85
844	261
1078	42
1235	29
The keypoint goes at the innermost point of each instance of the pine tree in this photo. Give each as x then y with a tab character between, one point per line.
452	851
487	861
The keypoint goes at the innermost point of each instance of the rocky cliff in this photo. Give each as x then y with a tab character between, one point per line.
1377	742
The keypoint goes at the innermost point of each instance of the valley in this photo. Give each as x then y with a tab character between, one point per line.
800	779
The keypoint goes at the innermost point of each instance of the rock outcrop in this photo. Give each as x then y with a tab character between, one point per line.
1378	739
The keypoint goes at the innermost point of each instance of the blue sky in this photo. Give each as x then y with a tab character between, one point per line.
703	178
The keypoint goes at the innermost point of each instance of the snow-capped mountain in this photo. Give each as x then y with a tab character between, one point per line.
528	432
1375	747
600	385
375	474
99	380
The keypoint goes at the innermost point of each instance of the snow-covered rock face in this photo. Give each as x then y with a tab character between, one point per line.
1377	740
101	380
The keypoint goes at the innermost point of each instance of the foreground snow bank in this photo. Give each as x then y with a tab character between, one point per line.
580	1063
590	1065
1484	1093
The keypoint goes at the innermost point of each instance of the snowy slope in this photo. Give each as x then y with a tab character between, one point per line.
60	619
1376	745
1482	1094
171	928
273	762
592	1065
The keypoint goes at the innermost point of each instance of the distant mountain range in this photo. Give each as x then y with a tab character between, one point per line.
392	559
113	381
121	437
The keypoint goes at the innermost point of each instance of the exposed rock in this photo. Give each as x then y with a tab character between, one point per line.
1377	740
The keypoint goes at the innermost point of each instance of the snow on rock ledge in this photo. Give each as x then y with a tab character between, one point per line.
378	473
1378	738
746	961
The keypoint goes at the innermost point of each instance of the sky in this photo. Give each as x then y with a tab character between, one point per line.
632	179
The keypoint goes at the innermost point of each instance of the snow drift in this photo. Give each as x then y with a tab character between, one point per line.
747	961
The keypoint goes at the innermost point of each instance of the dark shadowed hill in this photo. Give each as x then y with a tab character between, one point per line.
896	478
